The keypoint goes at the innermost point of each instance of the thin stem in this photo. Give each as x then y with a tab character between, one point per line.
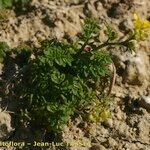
107	43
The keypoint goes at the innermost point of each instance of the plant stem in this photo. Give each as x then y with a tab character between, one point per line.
123	43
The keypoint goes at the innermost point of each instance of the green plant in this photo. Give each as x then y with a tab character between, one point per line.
64	80
21	5
3	49
4	4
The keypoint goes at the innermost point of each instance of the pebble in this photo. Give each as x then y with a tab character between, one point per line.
109	123
5	124
145	102
97	147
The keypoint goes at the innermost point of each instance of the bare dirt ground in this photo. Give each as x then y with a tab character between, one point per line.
128	128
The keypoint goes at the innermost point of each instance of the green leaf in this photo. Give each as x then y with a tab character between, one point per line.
130	46
3	49
5	4
90	27
57	78
110	33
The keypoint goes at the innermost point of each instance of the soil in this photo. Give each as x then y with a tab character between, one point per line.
128	128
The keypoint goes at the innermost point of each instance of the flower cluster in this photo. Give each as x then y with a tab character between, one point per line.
141	28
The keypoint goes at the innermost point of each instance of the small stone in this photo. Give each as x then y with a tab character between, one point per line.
109	123
145	102
97	147
136	71
112	142
1	68
143	130
5	124
119	114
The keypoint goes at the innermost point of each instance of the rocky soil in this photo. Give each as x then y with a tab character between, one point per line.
128	128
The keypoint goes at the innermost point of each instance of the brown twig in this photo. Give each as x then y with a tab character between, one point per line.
112	80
